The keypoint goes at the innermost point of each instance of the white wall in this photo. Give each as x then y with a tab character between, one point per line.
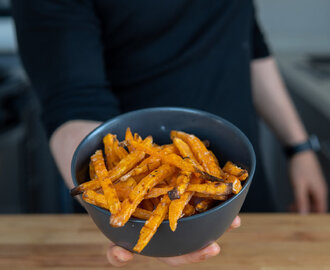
299	26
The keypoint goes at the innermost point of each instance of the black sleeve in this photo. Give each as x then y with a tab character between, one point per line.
259	45
61	49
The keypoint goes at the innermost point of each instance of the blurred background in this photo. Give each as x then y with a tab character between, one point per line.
298	31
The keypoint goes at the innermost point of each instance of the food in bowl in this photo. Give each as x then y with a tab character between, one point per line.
156	182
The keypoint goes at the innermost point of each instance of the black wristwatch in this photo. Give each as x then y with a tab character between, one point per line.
312	143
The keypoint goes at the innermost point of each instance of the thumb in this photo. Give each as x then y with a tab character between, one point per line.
118	256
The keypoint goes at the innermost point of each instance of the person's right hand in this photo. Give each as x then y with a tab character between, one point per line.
118	256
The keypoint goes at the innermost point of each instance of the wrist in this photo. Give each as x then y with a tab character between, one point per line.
311	144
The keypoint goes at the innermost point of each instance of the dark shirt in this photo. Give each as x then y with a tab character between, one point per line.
94	59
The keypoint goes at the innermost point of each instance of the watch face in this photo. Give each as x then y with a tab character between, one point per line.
314	142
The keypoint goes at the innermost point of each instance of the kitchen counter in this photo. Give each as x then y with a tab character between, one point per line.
264	241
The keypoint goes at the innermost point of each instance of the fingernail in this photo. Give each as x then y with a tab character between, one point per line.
122	258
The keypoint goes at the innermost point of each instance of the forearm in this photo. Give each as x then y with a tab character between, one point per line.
65	140
273	103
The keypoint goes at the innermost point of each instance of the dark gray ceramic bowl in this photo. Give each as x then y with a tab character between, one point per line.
194	232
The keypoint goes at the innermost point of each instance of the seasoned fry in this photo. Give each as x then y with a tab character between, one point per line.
151	225
176	209
189	210
204	205
237	185
156	192
182	184
106	183
92	174
97	199
214	197
203	156
186	152
111	157
124	188
119	150
147	165
155	202
137	194
233	169
212	188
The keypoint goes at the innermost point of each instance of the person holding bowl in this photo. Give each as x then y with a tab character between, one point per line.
90	60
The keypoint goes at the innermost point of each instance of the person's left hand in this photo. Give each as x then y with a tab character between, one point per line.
309	185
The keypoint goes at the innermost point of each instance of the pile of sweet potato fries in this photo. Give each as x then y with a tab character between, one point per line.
142	179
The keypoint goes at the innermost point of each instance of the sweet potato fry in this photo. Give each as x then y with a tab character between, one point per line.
92	174
158	191
176	209
141	213
186	152
147	165
212	188
202	154
124	188
189	210
214	197
204	205
111	157
119	150
97	199
151	225
237	185
106	183
233	169
182	184
155	202
138	193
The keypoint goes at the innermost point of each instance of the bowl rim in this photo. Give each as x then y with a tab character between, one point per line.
173	109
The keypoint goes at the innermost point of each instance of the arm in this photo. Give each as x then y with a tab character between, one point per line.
274	106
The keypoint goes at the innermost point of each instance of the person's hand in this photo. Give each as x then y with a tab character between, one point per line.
118	256
309	186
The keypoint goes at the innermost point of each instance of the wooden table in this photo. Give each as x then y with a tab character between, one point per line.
267	242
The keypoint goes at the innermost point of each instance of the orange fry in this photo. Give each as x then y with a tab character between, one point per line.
237	185
186	152
212	188
214	197
189	210
138	193
233	169
106	183
156	192
182	184
149	164
111	157
147	205
204	205
176	209
97	199
203	156
92	174
151	225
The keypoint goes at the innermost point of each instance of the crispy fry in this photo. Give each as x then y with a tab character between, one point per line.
203	156
97	199
212	188
189	210
138	193
89	185
182	184
111	157
155	202
92	174
233	169
176	209
204	205
157	191
106	183
186	152
147	165
214	197
151	225
119	150
237	185
124	188
141	213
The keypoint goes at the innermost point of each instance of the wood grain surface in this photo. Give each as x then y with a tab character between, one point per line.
264	241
